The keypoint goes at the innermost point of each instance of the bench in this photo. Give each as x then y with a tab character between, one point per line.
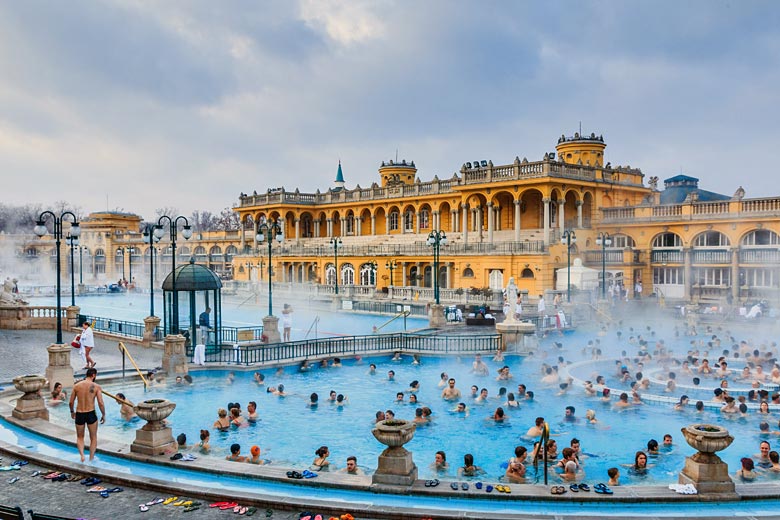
44	516
11	513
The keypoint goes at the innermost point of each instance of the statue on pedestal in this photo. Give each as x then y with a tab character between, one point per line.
9	295
511	299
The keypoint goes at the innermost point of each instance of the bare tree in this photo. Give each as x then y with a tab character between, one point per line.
228	220
169	211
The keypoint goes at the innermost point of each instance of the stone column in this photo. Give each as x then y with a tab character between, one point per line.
329	224
579	213
517	220
59	369
687	273
561	215
358	222
546	204
454	221
242	237
417	223
297	229
437	320
373	225
152	322
316	228
255	225
491	221
478	222
436	221
72	317
735	288
465	226
403	277
174	361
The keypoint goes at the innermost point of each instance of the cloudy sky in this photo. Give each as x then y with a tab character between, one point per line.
136	105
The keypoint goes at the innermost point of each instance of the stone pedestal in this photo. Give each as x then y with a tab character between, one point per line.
174	361
72	317
59	369
335	303
150	325
31	405
437	319
396	466
154	438
518	336
271	329
81	289
705	470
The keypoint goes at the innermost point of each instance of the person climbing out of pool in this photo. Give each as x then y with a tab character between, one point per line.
321	460
235	454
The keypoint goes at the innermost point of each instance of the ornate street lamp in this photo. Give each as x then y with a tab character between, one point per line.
604	240
75	231
266	233
186	232
336	244
72	242
568	238
436	239
81	270
151	239
125	252
391	265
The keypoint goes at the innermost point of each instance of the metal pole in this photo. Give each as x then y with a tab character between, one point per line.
123	263
603	268
130	261
175	328
436	269
57	235
151	275
270	285
72	277
336	261
81	270
568	268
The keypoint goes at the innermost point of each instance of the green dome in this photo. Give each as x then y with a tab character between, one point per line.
192	277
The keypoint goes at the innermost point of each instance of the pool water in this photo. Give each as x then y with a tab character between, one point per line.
289	432
245	312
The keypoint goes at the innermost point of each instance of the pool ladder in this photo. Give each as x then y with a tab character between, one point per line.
126	353
388	322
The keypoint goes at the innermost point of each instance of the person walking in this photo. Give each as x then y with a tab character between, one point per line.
87	341
287	321
203	323
86	392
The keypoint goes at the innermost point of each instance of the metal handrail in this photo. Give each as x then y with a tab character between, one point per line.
388	322
313	326
125	352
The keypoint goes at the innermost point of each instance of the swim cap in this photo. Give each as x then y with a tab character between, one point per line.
255	450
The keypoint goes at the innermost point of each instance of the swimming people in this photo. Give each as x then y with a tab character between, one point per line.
450	393
222	423
321	460
255	458
440	464
469	469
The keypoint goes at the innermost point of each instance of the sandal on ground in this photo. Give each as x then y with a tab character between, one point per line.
454	486
574	488
170	500
602	489
584	487
156	501
464	486
144	508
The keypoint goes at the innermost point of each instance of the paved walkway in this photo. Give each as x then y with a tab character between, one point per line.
24	352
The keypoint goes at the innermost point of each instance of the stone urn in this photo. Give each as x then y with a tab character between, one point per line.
396	466
154	438
705	470
31	404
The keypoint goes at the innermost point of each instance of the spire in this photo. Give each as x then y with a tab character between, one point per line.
339	182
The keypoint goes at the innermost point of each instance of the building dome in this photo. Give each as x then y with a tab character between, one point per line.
192	277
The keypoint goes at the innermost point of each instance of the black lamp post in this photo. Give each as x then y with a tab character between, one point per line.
81	270
266	233
186	232
127	251
150	238
75	231
374	266
436	239
391	265
603	240
72	242
336	244
568	238
122	250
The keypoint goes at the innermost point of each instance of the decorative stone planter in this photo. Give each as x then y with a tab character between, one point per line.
31	405
154	438
396	466
705	470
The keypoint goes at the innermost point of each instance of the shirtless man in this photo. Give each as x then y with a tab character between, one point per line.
252	415
479	367
450	393
86	391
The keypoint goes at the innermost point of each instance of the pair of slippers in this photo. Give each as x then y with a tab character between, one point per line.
464	486
106	492
503	489
581	487
557	490
602	489
294	474
480	485
89	481
432	483
308	474
309	516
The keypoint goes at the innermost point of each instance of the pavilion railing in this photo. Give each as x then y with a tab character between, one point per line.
350	346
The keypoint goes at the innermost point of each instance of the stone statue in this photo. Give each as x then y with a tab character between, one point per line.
511	299
7	296
739	194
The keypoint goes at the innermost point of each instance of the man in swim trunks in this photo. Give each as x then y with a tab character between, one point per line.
450	393
85	392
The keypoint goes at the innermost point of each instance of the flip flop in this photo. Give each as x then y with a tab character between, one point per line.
554	490
96	489
237	509
154	502
13	480
179	503
243	510
228	505
427	483
191	508
561	490
251	510
170	500
218	504
584	487
454	486
61	478
435	482
465	486
602	489
144	508
478	485
574	488
20	463
35	473
489	488
47	477
308	474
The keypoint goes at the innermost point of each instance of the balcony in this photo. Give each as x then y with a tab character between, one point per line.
667	256
711	256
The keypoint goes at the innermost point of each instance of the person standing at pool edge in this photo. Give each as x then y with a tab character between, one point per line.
86	392
203	323
87	341
287	321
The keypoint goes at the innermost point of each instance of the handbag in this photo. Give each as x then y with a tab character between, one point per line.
76	343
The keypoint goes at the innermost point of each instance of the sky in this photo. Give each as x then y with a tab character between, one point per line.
135	105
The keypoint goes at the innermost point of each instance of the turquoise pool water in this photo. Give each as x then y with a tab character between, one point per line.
244	312
289	432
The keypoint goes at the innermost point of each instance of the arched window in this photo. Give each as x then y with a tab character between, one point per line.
667	240
468	273
216	250
367	274
199	251
393	218
761	237
230	252
622	242
527	273
347	274
711	239
409	220
424	218
330	274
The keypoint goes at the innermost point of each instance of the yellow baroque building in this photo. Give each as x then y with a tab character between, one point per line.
680	241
